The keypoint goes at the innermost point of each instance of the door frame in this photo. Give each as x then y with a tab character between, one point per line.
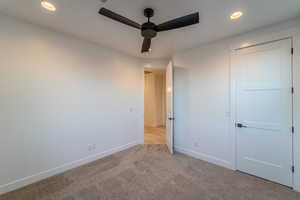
233	110
170	144
142	138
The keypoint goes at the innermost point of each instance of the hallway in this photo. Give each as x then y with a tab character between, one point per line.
155	135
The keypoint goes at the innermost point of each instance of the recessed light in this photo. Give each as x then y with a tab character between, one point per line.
47	5
236	15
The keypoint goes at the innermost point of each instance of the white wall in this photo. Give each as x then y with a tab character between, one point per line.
202	96
201	99
59	95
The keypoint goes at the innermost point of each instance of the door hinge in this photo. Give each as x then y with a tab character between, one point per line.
293	129
292	51
293	169
292	90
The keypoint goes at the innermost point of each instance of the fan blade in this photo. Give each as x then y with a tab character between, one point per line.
146	45
179	22
119	18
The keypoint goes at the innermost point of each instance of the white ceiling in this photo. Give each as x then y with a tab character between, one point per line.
81	18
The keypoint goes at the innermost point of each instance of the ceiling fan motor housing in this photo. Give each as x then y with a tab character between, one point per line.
148	30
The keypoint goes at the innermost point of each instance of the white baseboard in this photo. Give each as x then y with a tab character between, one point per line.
60	169
205	157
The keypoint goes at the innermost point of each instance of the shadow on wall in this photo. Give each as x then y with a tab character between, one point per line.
181	105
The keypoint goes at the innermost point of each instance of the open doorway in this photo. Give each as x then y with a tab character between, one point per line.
155	106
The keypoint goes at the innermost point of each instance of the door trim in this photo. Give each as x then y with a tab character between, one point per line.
233	110
263	43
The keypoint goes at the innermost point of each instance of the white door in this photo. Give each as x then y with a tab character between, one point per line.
169	106
262	76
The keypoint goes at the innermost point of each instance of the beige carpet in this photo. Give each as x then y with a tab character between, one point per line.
149	172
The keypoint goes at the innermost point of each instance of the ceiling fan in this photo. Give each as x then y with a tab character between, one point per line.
149	30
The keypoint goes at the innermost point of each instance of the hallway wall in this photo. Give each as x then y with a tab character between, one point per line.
155	98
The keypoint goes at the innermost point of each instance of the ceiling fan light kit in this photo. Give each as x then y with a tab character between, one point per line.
149	30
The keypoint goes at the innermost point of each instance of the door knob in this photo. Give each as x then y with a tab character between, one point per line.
239	125
171	118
